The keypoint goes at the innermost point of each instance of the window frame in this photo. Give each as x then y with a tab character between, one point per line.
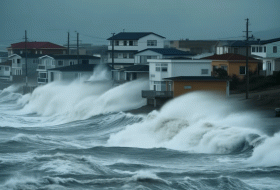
151	42
203	71
240	70
274	49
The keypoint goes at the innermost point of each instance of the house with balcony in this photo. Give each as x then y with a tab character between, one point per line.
56	61
127	44
161	70
234	47
268	51
42	48
19	67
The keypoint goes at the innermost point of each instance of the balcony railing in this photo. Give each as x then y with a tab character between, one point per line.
44	80
157	94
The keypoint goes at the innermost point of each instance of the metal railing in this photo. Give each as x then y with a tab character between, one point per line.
157	94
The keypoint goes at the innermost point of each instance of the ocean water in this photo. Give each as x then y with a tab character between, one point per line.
77	136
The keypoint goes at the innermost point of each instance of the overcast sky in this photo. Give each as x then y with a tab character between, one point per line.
95	20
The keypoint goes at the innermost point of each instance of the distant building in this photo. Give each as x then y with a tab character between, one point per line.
269	52
195	46
42	48
127	44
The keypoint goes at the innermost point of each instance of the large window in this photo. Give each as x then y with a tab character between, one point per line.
253	49
18	60
151	43
130	43
242	70
274	49
125	43
204	71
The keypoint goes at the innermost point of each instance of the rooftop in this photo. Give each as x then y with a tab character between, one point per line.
36	45
194	78
229	57
78	67
132	35
169	51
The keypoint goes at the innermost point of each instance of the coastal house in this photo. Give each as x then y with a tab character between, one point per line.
159	53
19	67
70	73
56	61
6	70
127	44
42	48
268	51
234	64
131	73
234	47
163	71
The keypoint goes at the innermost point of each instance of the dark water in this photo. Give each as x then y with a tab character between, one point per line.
176	148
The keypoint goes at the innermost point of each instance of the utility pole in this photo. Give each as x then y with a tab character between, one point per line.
78	47
113	44
26	81
68	44
247	58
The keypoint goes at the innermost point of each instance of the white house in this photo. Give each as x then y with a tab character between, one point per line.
159	53
5	70
269	52
56	61
165	68
127	44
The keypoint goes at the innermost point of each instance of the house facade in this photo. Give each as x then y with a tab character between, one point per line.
72	72
127	44
159	70
56	61
234	64
268	51
234	47
42	48
159	53
6	70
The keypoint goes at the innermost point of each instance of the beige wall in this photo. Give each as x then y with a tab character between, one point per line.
233	67
217	86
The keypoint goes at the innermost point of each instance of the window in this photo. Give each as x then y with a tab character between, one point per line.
204	71
260	49
157	68
152	75
242	70
224	67
264	49
7	68
43	75
60	63
18	60
136	43
130	43
125	55
268	67
72	62
151	43
131	55
35	61
187	87
125	43
253	49
257	49
274	49
164	69
117	43
235	50
215	67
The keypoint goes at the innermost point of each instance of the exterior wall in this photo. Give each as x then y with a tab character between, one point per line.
4	71
174	69
217	86
142	42
269	50
233	67
137	57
